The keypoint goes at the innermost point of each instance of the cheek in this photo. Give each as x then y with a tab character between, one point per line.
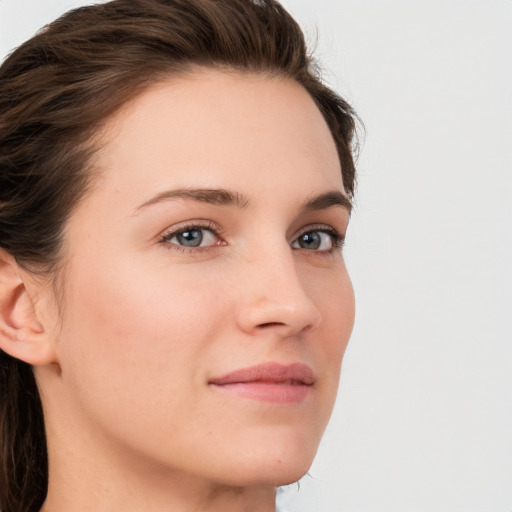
140	341
138	330
341	312
333	294
334	297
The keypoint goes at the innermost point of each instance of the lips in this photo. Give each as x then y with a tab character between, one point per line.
270	382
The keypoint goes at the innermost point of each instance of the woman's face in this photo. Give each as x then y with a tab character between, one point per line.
209	246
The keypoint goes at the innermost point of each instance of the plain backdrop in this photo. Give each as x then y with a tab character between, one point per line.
423	421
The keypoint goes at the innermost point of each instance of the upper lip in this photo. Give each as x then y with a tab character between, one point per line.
269	373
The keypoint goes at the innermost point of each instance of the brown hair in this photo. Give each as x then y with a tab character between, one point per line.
55	92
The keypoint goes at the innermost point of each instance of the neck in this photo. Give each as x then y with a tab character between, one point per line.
178	495
88	470
96	482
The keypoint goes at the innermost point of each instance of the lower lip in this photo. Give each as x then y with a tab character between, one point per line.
268	392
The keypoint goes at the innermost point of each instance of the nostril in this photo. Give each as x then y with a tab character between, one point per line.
271	324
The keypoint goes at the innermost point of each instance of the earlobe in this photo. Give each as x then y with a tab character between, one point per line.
22	335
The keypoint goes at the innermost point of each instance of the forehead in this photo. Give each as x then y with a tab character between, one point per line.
211	127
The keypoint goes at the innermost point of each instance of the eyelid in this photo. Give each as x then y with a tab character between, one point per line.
165	237
338	238
326	228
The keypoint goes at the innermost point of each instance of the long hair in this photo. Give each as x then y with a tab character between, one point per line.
56	91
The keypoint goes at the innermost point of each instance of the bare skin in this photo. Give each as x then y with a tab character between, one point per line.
209	244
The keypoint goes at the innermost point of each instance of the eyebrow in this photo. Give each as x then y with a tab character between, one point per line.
217	196
326	200
224	197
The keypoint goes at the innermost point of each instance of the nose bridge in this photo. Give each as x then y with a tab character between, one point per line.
274	295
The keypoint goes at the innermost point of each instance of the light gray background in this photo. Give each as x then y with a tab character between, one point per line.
424	417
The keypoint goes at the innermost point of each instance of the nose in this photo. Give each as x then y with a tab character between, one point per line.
273	297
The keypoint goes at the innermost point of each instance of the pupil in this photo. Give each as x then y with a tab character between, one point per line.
310	240
192	238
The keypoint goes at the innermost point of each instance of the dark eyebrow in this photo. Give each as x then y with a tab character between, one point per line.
326	200
221	197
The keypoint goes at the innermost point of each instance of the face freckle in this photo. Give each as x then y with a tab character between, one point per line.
151	327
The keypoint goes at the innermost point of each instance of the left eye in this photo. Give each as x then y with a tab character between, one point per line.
316	240
193	237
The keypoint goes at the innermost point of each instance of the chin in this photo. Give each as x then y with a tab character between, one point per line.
290	475
276	475
274	465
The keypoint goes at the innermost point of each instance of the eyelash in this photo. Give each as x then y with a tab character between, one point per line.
338	241
190	226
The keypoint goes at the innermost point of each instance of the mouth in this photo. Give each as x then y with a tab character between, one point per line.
270	382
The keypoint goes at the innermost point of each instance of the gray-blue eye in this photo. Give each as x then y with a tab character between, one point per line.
193	237
190	238
315	240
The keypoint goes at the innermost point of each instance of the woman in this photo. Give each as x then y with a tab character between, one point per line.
175	187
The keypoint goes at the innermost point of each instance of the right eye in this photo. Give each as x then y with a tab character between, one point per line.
195	237
192	236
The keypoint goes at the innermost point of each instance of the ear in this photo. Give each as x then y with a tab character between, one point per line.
22	335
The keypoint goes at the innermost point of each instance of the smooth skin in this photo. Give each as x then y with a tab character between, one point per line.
168	285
